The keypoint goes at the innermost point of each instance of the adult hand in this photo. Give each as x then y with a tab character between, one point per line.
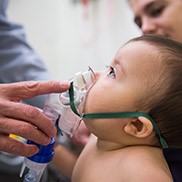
24	120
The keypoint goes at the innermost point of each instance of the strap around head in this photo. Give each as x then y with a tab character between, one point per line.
128	115
116	115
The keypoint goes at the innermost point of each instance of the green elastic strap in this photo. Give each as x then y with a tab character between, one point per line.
116	115
72	104
128	115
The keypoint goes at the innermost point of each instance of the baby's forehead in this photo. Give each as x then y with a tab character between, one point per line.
139	56
138	44
138	48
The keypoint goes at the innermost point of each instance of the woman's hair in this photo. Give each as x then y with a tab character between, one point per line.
166	110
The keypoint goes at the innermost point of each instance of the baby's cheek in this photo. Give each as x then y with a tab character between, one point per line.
91	102
96	98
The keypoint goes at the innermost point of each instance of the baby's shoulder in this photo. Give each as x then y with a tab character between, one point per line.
141	156
143	162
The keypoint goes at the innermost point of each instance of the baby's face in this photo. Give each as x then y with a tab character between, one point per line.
132	74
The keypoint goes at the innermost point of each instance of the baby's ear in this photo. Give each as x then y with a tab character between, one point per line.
140	128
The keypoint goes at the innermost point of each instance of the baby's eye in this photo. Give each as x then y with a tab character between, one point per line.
112	72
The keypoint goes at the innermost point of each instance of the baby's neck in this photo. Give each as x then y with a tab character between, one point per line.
104	145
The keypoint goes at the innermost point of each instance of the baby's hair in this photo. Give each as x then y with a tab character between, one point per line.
166	110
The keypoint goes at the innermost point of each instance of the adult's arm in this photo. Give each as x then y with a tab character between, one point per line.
24	120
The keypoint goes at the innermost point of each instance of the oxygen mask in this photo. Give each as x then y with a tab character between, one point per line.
80	83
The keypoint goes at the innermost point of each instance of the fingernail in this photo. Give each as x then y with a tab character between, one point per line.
65	84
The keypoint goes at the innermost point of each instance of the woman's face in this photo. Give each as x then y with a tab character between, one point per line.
163	17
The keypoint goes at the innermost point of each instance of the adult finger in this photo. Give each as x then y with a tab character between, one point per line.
23	129
12	146
27	114
24	90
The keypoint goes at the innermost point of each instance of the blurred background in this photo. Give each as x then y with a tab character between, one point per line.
71	35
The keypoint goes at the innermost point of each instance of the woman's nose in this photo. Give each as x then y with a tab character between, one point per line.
148	27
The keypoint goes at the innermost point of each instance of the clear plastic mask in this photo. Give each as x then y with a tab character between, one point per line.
82	82
60	103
